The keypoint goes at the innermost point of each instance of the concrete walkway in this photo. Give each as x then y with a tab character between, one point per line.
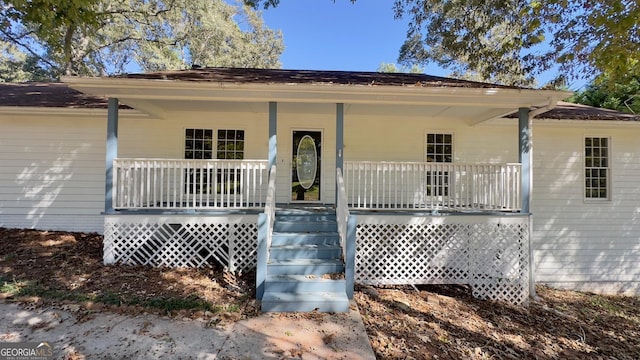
107	335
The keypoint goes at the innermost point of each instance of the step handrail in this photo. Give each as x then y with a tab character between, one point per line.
347	231
266	220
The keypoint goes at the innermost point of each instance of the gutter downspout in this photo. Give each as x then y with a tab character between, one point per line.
553	102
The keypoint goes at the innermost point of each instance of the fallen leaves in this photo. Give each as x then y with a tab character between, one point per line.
445	322
427	322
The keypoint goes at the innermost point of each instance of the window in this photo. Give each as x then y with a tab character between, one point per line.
596	167
198	144
230	144
440	150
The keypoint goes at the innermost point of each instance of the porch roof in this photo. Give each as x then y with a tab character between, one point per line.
315	77
162	92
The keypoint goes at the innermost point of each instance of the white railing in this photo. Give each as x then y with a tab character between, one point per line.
190	184
342	210
347	231
437	186
270	206
265	234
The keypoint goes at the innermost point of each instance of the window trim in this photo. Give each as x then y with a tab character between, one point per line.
214	145
244	141
439	132
184	141
442	189
609	183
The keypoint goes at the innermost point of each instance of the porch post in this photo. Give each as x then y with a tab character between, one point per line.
273	130
339	140
112	153
524	142
526	161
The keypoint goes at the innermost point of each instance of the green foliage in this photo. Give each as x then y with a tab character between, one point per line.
502	40
16	66
624	97
268	3
394	68
98	37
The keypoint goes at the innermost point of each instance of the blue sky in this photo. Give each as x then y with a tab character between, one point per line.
323	35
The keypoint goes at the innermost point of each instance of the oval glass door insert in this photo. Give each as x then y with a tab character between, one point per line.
306	161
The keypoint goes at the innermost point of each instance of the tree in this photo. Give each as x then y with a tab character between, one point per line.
510	41
97	37
393	68
16	66
515	39
620	97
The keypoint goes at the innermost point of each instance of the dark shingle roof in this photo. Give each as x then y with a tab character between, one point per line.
278	76
566	111
61	96
54	95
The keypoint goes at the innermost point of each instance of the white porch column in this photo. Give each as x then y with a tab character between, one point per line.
526	161
273	130
525	146
339	140
339	136
112	153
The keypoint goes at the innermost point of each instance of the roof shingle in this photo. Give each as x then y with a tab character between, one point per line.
53	95
279	76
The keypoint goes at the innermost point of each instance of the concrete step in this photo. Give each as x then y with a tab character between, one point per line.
317	267
305	301
303	283
304	226
290	252
322	238
305	218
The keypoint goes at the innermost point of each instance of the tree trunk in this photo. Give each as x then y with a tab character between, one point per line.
68	38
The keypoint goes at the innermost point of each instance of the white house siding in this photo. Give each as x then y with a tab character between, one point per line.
320	117
393	134
52	171
164	138
579	244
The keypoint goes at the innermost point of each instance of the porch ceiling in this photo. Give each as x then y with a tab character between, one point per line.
164	97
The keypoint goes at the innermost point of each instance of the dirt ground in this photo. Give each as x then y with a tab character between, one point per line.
428	322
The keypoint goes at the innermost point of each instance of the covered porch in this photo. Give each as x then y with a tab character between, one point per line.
400	221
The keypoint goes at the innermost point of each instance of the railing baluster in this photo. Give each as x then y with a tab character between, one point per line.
447	186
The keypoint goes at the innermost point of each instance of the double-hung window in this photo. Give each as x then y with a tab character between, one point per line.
199	145
596	168
440	150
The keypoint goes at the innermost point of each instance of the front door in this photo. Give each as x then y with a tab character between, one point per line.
305	166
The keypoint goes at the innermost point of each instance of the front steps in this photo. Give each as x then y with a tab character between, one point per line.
305	271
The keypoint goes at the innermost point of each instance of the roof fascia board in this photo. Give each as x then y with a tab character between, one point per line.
62	111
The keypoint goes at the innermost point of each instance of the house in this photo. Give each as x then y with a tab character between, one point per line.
319	179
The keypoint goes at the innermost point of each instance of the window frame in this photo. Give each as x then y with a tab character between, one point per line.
442	188
192	176
185	139
608	169
438	132
235	151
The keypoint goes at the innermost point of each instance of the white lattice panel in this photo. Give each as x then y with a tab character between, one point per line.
181	241
489	253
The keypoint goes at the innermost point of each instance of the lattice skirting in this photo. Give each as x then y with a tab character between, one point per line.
182	240
489	253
